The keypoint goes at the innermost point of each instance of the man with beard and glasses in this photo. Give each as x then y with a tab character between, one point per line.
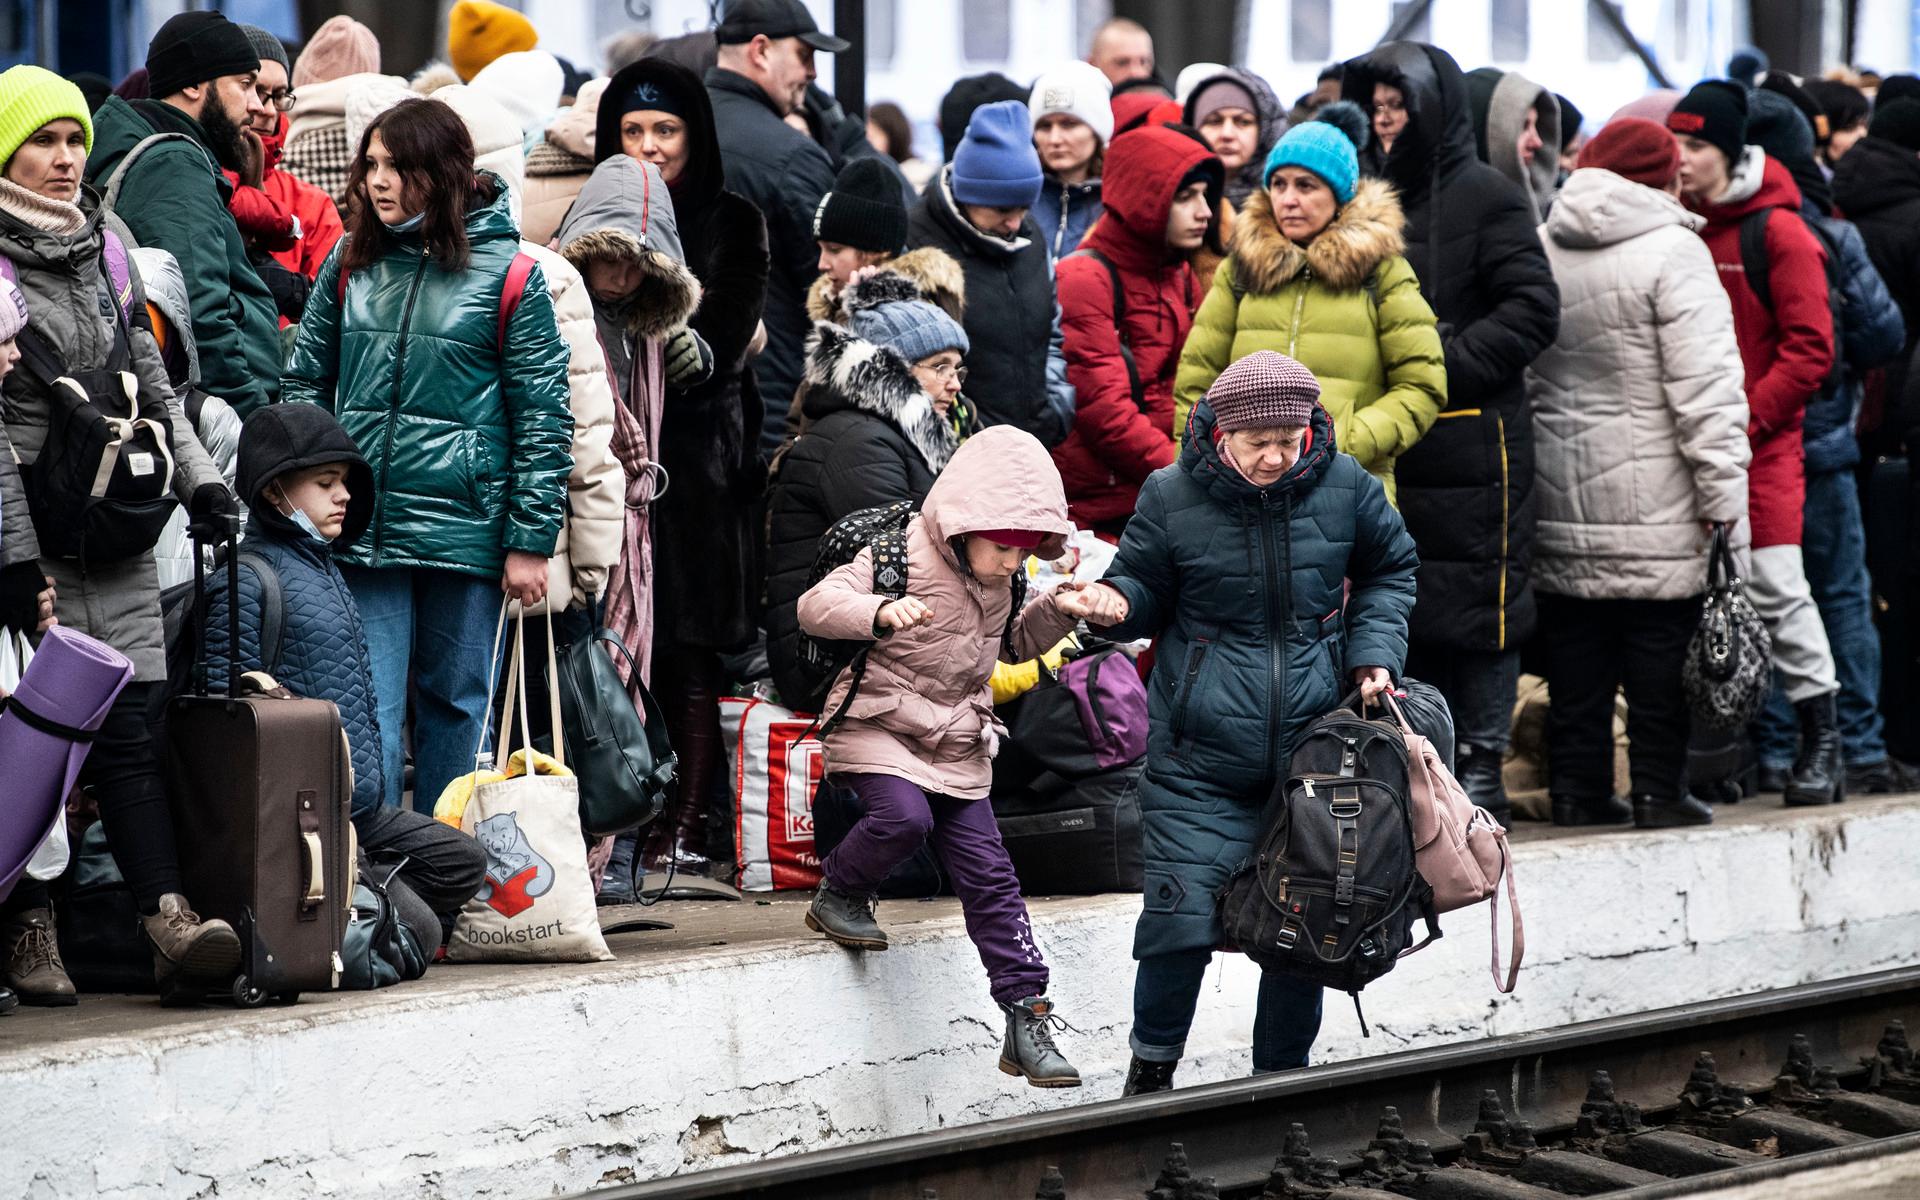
170	193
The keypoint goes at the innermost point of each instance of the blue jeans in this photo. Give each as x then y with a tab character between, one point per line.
435	627
1166	989
1834	548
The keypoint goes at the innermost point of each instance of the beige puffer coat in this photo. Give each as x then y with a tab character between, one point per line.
924	712
1639	417
558	165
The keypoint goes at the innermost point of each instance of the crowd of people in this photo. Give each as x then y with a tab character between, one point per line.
1426	373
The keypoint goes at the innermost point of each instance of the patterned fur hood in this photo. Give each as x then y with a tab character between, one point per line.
1365	233
937	278
844	370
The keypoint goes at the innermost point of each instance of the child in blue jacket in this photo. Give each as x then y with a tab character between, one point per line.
309	493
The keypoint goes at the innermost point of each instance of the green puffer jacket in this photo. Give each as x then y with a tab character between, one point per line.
470	441
1346	305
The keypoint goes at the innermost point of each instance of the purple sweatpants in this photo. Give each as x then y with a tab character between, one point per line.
967	841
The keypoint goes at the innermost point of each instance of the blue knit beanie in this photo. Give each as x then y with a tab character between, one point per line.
996	164
913	329
1322	148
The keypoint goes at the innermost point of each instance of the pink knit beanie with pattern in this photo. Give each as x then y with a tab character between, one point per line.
1264	390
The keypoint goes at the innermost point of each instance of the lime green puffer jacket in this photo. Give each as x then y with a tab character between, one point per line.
1346	305
469	434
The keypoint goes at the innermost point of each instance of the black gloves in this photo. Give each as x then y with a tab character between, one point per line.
20	588
210	513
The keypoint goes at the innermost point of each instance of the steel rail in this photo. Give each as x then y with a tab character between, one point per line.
1233	1130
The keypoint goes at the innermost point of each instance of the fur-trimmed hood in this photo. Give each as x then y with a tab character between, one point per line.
936	278
844	370
1366	232
624	211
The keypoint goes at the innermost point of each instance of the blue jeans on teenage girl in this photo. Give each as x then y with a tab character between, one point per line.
436	628
1834	548
1166	990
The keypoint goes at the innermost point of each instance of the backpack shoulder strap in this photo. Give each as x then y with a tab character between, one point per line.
511	292
1119	323
273	610
1753	254
119	273
110	198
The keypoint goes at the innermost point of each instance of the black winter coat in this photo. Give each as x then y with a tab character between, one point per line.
1016	368
871	438
1877	186
784	173
1466	490
703	529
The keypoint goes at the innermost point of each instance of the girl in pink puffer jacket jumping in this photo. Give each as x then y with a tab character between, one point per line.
917	741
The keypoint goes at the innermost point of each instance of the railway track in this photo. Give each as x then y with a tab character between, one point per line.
1663	1104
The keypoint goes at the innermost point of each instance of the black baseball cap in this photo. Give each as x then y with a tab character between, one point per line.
745	20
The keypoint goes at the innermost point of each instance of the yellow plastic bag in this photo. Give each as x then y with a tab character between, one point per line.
451	807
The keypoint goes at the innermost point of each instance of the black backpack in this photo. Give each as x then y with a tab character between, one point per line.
1759	271
1331	893
101	490
883	530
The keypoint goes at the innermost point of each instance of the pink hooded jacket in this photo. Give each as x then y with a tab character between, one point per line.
924	712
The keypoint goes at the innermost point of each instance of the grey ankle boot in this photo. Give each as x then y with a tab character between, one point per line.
1028	1048
190	954
847	919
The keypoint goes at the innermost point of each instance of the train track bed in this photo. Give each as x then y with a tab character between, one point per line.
1734	1094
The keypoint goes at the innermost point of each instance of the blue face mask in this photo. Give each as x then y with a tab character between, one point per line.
410	224
299	517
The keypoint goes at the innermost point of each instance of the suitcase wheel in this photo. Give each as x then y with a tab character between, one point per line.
245	994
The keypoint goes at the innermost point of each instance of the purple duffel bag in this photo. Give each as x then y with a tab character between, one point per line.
46	729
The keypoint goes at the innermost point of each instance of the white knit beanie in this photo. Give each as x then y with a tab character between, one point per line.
528	84
13	310
1077	89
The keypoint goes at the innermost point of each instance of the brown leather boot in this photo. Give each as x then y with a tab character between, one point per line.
189	953
34	969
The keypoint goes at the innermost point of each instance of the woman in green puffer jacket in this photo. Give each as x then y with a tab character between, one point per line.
1316	273
456	393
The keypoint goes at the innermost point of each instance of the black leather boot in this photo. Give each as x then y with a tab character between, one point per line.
1818	776
1479	774
1606	810
1884	778
1144	1077
1652	813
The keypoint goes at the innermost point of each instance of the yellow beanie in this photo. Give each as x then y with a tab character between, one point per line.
479	31
32	96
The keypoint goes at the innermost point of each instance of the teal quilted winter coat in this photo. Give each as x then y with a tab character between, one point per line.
469	437
1242	586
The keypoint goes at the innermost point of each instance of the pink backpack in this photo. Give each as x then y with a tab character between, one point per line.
1460	850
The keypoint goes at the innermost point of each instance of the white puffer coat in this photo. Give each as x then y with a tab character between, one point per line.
1639	416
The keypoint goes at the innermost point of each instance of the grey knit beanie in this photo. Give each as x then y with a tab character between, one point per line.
268	47
913	329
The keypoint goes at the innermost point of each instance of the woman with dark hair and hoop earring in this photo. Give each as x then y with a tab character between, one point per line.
445	364
705	576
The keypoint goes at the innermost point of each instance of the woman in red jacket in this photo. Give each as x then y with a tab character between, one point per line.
1127	299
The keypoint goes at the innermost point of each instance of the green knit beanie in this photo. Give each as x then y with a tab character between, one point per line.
30	97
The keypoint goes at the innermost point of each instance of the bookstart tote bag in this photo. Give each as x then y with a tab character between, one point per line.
537	902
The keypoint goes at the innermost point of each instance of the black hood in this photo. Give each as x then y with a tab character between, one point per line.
1439	136
292	437
1875	174
704	175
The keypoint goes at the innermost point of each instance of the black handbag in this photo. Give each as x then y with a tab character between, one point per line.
1729	666
624	766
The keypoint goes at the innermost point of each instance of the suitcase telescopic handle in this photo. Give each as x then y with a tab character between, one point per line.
231	540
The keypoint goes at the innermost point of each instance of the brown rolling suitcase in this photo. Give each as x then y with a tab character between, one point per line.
261	786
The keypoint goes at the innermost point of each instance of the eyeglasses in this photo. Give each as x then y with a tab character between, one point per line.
1391	106
281	100
946	371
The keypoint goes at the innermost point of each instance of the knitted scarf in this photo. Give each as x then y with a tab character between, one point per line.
636	431
31	208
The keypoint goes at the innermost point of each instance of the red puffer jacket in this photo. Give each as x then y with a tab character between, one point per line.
1787	350
320	225
1115	445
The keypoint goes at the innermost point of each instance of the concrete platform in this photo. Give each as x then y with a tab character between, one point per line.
737	1035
